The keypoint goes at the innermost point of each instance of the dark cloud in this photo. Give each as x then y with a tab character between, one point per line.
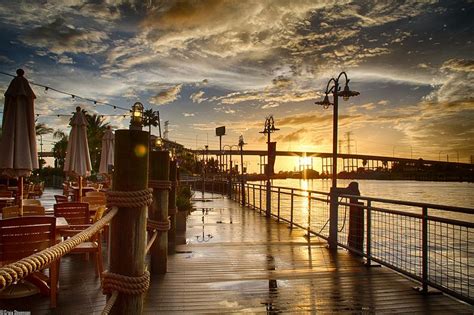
59	37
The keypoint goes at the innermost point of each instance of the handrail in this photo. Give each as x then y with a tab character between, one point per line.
414	204
424	241
22	268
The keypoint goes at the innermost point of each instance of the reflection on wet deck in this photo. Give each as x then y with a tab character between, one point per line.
236	260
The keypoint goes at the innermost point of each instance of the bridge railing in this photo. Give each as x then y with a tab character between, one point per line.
432	244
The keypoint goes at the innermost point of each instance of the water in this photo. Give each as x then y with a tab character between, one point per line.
443	193
396	238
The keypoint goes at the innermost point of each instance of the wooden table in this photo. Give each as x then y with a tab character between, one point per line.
84	190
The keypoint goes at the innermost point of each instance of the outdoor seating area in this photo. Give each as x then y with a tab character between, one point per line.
61	220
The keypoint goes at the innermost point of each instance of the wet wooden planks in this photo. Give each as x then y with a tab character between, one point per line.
238	261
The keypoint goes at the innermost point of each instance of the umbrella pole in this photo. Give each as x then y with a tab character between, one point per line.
20	191
80	189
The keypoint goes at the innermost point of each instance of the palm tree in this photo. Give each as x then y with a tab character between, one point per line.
60	148
151	118
41	130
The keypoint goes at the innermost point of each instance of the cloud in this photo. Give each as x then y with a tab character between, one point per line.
459	65
270	105
5	60
457	86
166	96
368	106
59	37
188	114
197	97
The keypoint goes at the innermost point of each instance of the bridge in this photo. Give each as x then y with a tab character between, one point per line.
351	162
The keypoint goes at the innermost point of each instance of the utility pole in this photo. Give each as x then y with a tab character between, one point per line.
348	141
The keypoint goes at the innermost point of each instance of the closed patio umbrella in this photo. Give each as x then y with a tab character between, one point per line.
107	152
19	155
78	161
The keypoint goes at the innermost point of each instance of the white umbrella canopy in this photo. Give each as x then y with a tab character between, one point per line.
107	151
78	160
19	155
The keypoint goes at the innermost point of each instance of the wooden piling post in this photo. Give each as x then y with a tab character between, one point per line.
172	206
356	219
158	211
128	227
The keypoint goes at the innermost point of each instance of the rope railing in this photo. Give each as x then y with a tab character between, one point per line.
114	284
18	270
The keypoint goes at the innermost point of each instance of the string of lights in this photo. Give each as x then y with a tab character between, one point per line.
74	96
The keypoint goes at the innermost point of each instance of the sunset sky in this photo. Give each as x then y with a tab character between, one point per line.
204	64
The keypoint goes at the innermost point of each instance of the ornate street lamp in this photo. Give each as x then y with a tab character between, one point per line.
334	88
136	122
268	129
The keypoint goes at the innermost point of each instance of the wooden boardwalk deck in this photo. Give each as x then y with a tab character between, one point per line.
246	263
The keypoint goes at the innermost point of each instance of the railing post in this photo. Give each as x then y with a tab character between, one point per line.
291	209
128	227
158	211
369	233
260	203
243	189
356	219
333	218
309	215
253	188
172	207
278	204
268	204
424	240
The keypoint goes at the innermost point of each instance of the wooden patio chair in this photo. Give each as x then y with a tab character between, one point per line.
21	237
28	210
31	202
61	198
36	190
95	200
6	193
74	212
79	222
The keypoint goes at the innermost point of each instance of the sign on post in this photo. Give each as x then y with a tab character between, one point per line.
220	131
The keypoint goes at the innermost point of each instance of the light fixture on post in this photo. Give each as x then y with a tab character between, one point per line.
136	122
159	143
271	148
334	88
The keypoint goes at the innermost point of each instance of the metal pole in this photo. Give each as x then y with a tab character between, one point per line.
424	240
269	192
369	233
333	208
242	168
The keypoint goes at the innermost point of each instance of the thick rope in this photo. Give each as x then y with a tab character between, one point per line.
130	199
125	284
161	226
18	270
159	184
110	303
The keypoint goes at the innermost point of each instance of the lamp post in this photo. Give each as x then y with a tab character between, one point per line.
136	122
229	191
242	178
268	129
334	88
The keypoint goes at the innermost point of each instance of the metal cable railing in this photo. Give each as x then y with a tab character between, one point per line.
432	244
